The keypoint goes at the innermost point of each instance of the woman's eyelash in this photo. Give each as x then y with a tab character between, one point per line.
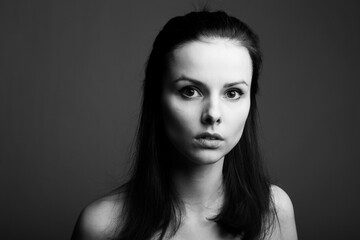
193	92
235	93
190	92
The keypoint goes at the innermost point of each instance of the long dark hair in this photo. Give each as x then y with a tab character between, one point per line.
151	206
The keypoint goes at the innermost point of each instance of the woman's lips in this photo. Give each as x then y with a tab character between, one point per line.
209	140
208	143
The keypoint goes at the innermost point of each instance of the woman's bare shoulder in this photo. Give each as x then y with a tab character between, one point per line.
100	219
285	227
282	201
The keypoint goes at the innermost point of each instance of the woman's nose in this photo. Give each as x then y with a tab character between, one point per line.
212	113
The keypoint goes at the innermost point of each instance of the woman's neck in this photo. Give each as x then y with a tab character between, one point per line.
199	186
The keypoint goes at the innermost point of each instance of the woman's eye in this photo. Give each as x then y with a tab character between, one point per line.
190	92
233	94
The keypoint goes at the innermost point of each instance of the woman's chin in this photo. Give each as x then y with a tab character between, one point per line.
206	157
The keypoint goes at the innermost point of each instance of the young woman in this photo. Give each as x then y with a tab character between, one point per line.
197	172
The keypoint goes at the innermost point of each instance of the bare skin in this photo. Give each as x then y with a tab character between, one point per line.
99	220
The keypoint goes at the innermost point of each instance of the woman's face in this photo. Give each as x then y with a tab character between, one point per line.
206	98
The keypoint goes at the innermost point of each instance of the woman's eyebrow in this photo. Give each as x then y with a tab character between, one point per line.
197	82
235	83
192	80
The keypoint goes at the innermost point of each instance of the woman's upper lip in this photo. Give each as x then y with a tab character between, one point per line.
210	135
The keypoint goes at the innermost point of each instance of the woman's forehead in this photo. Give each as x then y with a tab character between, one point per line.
218	59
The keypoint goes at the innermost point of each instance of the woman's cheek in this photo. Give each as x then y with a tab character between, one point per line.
238	120
177	117
184	117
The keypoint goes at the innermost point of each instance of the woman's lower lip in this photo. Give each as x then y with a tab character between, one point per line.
208	143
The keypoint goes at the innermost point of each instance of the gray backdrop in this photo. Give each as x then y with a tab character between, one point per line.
70	78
